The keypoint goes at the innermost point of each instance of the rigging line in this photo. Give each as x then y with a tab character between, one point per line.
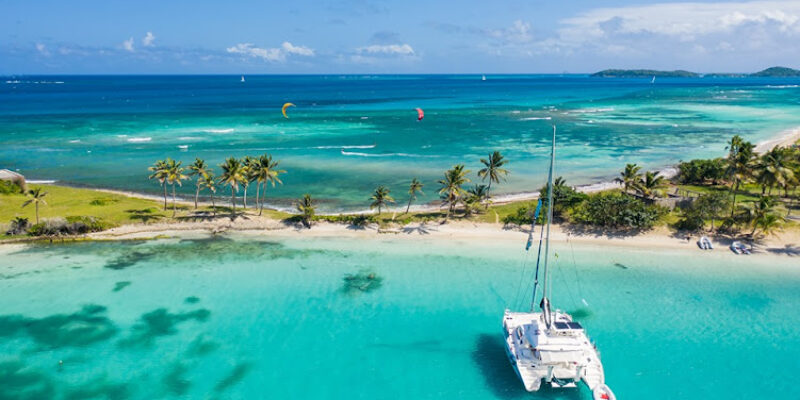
538	258
560	274
575	268
518	292
518	296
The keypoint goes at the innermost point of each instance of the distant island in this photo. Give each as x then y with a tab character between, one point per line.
773	72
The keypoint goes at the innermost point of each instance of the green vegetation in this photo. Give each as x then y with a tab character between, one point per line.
380	198
307	210
36	197
8	187
702	172
493	170
414	188
111	209
773	72
618	211
777	72
644	73
743	192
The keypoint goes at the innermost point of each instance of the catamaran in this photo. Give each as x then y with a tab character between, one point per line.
549	346
242	79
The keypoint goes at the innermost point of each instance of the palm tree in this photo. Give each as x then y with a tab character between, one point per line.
174	177
480	193
770	224
559	182
774	168
36	198
630	177
266	171
740	163
380	197
306	207
451	190
493	169
414	188
247	163
159	170
650	182
207	181
761	213
475	196
200	169
232	175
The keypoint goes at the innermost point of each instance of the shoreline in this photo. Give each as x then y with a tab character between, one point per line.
785	138
263	227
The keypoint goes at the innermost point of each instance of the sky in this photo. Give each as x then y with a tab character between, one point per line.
389	36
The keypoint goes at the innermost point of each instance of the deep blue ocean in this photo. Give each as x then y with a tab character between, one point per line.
350	133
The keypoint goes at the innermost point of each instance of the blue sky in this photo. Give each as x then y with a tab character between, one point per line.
410	36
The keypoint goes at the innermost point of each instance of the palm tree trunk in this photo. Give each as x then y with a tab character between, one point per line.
173	200
196	195
213	206
244	205
733	205
165	195
233	199
409	204
258	189
261	204
37	212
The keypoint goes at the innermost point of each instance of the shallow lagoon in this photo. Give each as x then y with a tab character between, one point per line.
240	317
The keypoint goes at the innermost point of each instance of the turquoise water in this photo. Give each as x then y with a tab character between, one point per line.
349	134
276	318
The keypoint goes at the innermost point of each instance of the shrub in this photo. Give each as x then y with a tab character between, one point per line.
8	187
565	199
619	211
521	216
73	225
48	227
102	201
701	171
707	206
18	226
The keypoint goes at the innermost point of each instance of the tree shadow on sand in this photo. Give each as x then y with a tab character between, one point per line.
144	215
610	233
789	250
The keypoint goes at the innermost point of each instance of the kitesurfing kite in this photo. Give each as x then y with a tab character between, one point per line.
283	109
420	114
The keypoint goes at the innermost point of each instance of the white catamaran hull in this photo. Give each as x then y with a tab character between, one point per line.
560	357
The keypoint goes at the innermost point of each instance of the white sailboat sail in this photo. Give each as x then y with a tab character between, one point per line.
549	346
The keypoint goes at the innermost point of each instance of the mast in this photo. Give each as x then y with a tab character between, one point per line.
545	300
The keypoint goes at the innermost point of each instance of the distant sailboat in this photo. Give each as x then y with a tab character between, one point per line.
242	79
483	77
549	346
654	79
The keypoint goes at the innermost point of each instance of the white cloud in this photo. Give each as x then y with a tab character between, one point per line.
389	49
685	22
289	48
518	32
148	39
270	54
42	49
709	36
128	45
